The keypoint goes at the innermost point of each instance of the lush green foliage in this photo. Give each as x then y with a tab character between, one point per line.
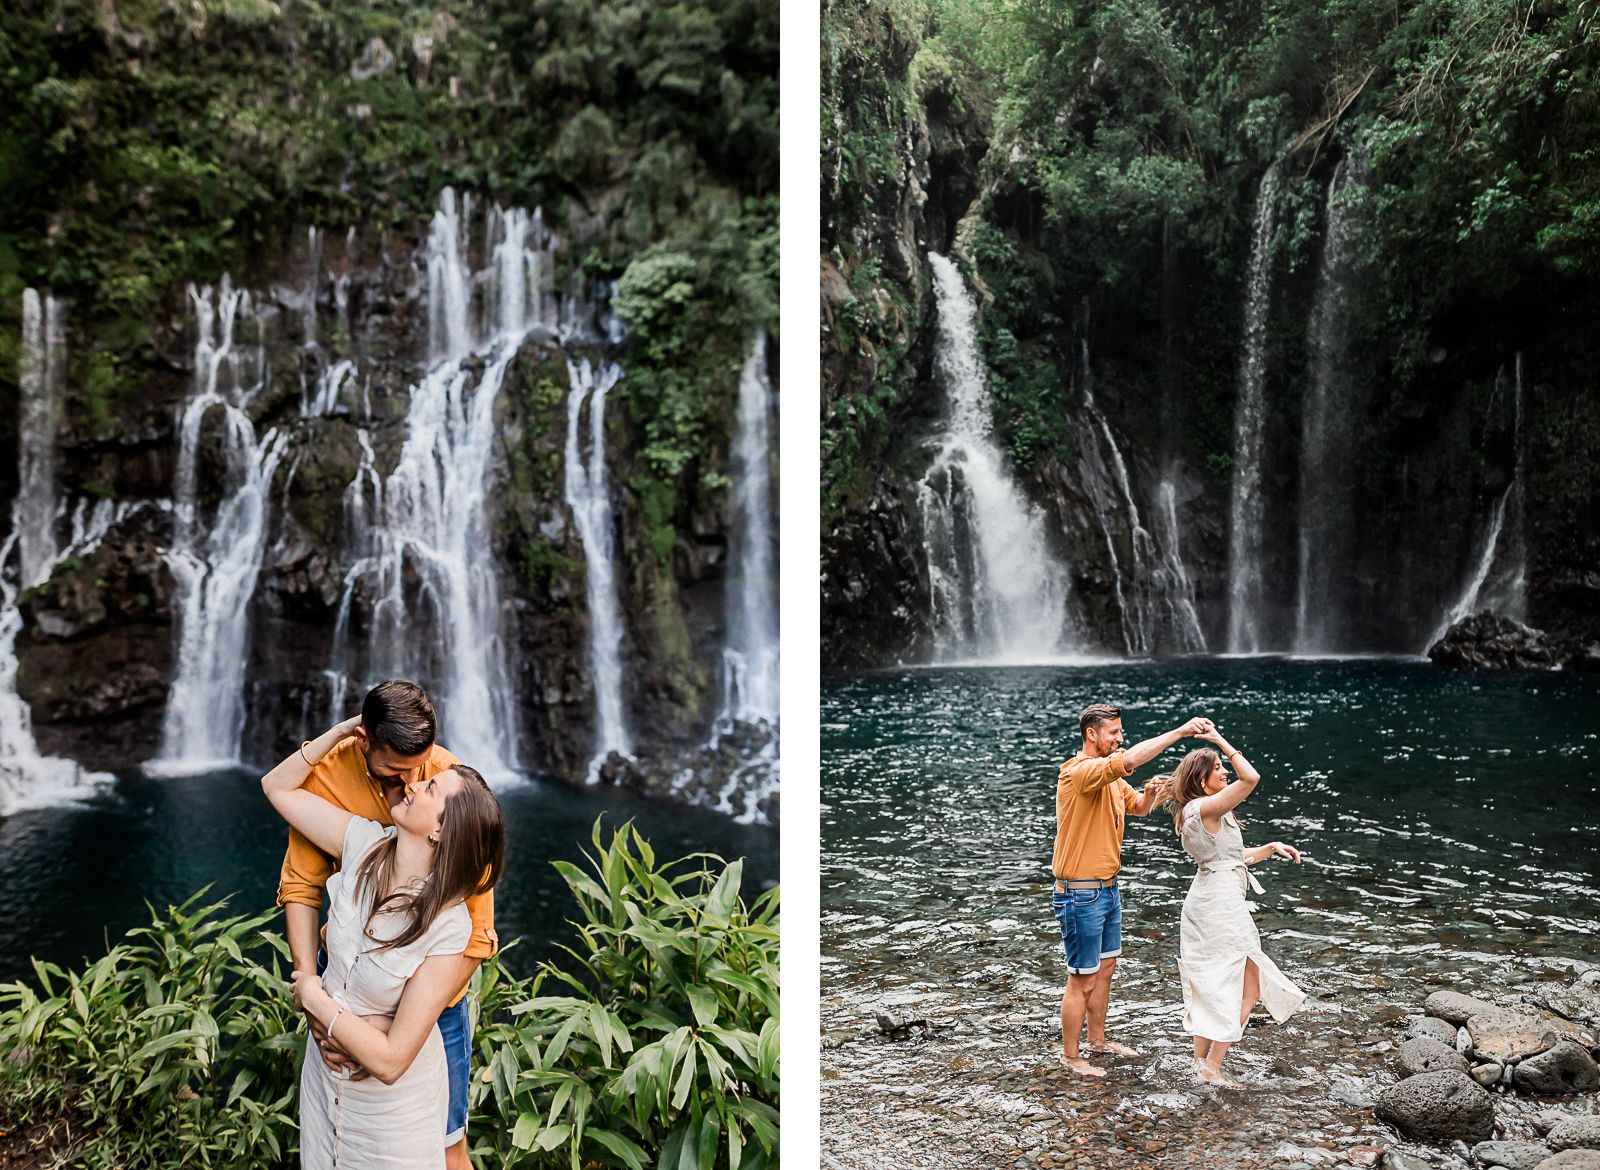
653	1043
1126	141
151	143
658	1043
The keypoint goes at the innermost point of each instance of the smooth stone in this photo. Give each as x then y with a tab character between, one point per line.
1507	1035
1439	1106
1395	1160
1575	1133
1423	1055
1566	1068
1432	1028
1487	1074
1510	1155
1572	1160
1455	1007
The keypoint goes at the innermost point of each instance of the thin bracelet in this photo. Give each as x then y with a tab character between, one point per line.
334	1021
309	763
1235	752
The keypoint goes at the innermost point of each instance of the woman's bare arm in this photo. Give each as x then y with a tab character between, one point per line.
319	821
386	1055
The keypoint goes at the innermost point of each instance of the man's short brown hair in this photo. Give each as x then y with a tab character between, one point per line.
398	715
1095	714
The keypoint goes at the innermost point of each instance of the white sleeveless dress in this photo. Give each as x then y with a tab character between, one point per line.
1217	936
366	1123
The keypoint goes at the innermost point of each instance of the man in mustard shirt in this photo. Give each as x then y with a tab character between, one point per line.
1093	797
367	774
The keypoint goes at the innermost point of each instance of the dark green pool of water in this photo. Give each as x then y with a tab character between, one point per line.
74	876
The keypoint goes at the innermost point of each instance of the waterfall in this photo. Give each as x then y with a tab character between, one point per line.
1180	590
215	561
997	590
42	370
1504	592
1246	588
750	659
588	494
424	531
28	777
1327	441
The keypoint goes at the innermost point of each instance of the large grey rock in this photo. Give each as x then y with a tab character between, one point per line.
1575	1133
1438	1106
1572	1160
1565	1068
1547	1119
1499	643
1454	1007
1432	1028
1510	1155
1423	1055
1510	1034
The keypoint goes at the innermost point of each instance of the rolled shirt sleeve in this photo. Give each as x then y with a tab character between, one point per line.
1086	775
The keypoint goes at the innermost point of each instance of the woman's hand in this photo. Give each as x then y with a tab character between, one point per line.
1279	849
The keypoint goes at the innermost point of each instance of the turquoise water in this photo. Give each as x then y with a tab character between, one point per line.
1450	825
74	876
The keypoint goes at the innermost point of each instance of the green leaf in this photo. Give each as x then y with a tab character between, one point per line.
703	1002
527	1128
552	1137
632	1155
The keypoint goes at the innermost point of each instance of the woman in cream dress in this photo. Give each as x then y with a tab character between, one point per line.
395	920
1223	967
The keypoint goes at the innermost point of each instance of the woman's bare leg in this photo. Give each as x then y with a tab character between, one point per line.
1252	990
1211	1066
1202	1047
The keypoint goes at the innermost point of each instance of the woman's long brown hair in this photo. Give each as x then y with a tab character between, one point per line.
467	861
1189	783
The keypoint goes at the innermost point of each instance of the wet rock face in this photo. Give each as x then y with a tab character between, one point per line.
1510	1155
1423	1055
1565	1068
875	602
1454	1008
1572	1160
1438	1106
1508	1035
1497	643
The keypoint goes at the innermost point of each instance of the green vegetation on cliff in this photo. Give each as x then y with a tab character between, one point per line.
1122	140
148	144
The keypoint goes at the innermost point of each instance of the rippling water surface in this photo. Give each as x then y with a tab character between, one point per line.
71	877
1450	825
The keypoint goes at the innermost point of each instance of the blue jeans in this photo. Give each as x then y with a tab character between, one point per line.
455	1029
1091	926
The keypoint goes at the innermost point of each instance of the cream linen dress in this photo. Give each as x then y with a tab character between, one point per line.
1218	935
366	1123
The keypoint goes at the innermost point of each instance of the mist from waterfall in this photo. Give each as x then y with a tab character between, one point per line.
1246	538
998	592
588	493
215	560
1328	433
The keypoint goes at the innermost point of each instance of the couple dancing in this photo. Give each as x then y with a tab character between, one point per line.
408	842
1223	969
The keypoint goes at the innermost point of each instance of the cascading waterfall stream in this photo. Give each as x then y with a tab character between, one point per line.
998	591
1327	443
750	659
588	494
425	529
28	777
215	562
1246	586
1180	590
1503	592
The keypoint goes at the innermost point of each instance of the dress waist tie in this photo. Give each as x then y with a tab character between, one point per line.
1232	863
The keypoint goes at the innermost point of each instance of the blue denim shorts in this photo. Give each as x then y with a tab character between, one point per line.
455	1029
1091	926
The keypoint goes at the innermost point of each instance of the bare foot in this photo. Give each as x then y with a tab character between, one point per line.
1082	1067
1110	1048
1215	1076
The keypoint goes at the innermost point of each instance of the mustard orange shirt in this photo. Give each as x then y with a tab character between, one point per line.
1092	802
341	777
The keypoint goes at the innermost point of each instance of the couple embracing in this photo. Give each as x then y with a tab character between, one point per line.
1223	969
408	843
